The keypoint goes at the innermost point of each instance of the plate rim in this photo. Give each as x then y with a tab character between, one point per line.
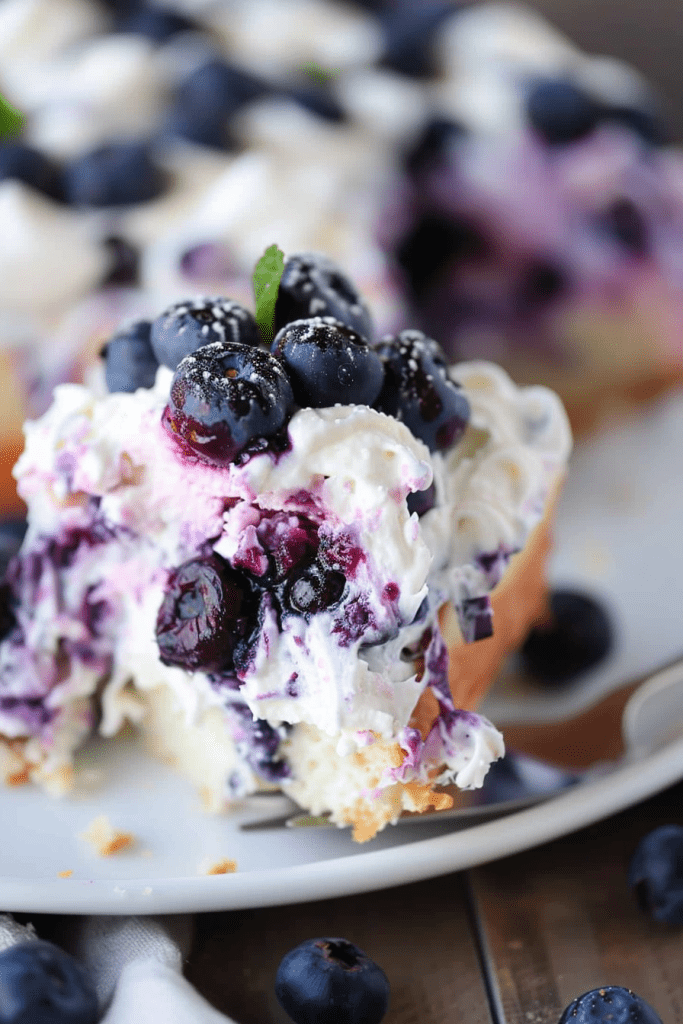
413	861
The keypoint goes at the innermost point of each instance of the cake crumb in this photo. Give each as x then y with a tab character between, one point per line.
105	838
222	867
66	874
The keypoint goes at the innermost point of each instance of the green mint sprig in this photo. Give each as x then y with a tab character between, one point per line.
11	121
266	281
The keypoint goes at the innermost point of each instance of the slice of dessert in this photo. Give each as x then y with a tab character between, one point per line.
284	564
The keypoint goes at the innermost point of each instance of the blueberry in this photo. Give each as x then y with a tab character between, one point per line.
314	590
7	618
645	121
154	23
41	984
624	222
258	743
12	532
331	981
576	637
208	98
318	101
186	326
24	163
226	399
656	874
560	111
129	362
409	35
418	391
329	363
207	612
124	263
609	1005
114	175
433	243
312	285
542	282
422	501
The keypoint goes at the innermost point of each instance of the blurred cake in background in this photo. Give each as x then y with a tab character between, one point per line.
468	167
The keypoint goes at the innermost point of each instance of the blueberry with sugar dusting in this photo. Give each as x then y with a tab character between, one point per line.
186	326
226	398
331	981
115	175
26	164
314	590
609	1005
577	635
329	363
419	392
560	111
42	984
313	285
208	609
129	362
656	874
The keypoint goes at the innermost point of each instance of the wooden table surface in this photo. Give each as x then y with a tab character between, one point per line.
509	943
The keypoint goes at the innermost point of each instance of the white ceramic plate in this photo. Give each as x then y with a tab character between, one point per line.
176	842
618	535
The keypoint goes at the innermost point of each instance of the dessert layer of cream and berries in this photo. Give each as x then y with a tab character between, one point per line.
255	573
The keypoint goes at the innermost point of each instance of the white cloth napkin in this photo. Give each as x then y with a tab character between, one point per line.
136	966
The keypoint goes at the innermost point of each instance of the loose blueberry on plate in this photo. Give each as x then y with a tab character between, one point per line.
329	363
577	635
560	111
312	285
41	984
656	874
129	362
208	609
115	175
226	397
331	981
26	164
186	326
609	1005
418	391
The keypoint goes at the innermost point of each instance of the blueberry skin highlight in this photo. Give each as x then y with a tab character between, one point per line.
609	1005
41	984
578	635
186	326
129	362
224	397
656	874
312	285
331	981
328	363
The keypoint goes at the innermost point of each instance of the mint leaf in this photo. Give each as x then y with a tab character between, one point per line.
266	281
11	121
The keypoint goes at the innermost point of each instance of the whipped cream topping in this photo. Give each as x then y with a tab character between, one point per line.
114	506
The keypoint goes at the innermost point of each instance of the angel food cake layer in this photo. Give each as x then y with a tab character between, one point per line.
252	554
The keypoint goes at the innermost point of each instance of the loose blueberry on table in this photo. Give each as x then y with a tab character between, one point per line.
577	635
331	981
656	874
609	1005
41	984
